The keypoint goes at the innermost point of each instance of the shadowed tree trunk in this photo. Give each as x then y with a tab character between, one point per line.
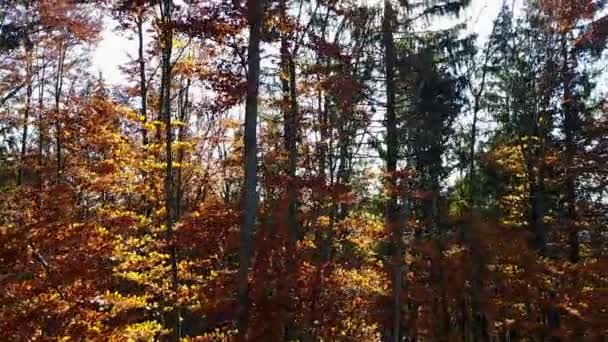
184	107
569	127
143	88
166	10
58	89
391	168
290	111
290	132
26	113
250	200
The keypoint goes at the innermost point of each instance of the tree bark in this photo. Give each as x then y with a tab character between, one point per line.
250	200
292	147
26	114
184	105
166	10
41	126
569	129
290	132
290	111
58	89
391	168
143	88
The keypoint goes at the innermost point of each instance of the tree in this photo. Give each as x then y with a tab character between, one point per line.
166	43
376	210
391	168
255	18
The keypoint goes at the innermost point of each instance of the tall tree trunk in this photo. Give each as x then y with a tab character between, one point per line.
391	168
58	89
323	132
41	127
143	93
322	107
184	105
250	200
143	88
166	10
535	161
435	194
26	114
472	176
569	129
290	112
292	147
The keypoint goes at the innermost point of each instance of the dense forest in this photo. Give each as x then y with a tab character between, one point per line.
304	170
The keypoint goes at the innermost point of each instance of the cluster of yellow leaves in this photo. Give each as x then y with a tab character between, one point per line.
366	282
147	331
121	302
139	262
363	230
513	205
217	335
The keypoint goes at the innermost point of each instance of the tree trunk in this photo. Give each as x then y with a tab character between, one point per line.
41	129
569	128
250	200
184	103
143	88
166	9
391	168
58	89
26	114
540	128
291	142
436	193
290	111
143	93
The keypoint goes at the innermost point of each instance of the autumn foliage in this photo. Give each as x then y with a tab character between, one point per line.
122	205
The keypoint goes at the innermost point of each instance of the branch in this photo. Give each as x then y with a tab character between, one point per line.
12	93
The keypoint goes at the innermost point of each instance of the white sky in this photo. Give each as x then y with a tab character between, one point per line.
112	52
113	49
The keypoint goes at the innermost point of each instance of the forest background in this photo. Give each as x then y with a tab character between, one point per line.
303	170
